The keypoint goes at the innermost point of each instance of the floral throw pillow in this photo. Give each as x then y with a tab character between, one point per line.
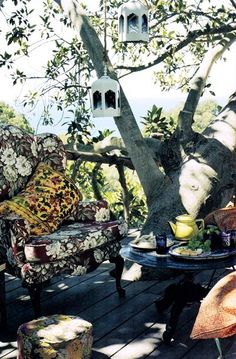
47	200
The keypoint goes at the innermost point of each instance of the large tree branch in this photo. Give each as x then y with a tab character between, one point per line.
162	20
140	155
98	158
112	143
233	3
223	128
201	76
125	192
205	180
198	84
98	152
192	36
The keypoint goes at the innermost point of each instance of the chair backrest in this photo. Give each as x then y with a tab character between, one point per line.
217	314
51	150
21	152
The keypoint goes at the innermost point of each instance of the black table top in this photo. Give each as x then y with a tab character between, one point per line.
152	260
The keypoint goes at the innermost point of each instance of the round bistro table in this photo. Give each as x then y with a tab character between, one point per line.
185	291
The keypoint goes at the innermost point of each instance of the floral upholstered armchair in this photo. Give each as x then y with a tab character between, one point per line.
46	228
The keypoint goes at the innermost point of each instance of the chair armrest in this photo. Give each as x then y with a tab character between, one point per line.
92	211
15	233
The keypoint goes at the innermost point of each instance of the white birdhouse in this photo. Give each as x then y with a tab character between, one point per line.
105	97
133	22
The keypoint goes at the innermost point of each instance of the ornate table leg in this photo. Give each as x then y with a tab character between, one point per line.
178	295
3	313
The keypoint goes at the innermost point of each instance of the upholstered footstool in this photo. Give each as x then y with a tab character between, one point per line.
55	336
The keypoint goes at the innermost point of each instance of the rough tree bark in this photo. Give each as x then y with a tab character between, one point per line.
201	177
136	146
204	179
199	169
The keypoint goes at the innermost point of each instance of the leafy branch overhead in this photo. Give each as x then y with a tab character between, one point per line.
66	79
182	167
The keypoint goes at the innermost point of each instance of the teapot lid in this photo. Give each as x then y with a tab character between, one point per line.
185	218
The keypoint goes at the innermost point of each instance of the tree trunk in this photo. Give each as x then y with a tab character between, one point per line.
199	168
136	146
205	180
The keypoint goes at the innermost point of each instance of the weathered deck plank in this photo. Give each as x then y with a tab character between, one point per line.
124	328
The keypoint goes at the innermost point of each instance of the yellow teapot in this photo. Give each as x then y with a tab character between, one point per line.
186	227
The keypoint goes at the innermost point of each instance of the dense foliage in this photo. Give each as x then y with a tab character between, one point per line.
181	32
9	116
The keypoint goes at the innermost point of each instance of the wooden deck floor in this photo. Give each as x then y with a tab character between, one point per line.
127	328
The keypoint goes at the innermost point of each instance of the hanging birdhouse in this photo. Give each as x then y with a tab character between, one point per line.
133	22
105	97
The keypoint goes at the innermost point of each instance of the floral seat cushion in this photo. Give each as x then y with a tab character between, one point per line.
72	239
77	264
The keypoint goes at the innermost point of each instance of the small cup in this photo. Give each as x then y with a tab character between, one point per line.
225	239
161	241
233	237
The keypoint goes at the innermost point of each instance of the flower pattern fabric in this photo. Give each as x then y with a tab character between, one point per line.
51	150
46	258
47	200
15	233
55	336
77	247
90	211
70	240
20	154
17	162
77	264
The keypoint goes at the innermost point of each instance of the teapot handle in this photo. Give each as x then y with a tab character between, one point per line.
200	223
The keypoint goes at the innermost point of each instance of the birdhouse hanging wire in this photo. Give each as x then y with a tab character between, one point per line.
105	92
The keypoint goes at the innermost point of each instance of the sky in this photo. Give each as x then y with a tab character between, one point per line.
139	88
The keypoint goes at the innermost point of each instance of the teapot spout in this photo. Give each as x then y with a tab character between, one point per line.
173	227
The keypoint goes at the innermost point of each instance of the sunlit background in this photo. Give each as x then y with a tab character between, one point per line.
139	88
